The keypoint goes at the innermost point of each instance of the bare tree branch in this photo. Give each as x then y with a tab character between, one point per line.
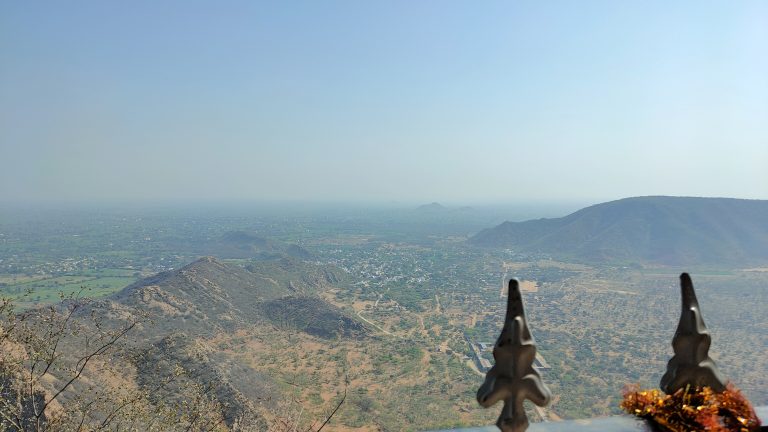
334	410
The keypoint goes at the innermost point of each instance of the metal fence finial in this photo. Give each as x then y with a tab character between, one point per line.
513	378
691	364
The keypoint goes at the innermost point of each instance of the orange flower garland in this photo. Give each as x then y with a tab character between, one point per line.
697	409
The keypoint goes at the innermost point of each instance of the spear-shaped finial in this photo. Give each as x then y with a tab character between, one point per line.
513	378
691	364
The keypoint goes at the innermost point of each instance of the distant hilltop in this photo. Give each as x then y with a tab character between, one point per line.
655	229
241	245
436	207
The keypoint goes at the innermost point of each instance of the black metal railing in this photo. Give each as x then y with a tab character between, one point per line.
513	378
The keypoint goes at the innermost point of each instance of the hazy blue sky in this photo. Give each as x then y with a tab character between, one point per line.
379	101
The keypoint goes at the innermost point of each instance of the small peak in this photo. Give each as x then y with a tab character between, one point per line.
203	261
433	206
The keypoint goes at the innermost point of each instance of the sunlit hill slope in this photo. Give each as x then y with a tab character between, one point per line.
656	229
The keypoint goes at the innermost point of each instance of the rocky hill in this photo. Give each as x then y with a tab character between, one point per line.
243	244
185	315
208	296
659	230
238	245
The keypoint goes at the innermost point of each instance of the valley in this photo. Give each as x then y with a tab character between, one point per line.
290	316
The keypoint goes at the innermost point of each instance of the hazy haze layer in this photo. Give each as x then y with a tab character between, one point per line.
390	101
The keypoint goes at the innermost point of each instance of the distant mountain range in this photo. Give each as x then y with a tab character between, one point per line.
652	230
